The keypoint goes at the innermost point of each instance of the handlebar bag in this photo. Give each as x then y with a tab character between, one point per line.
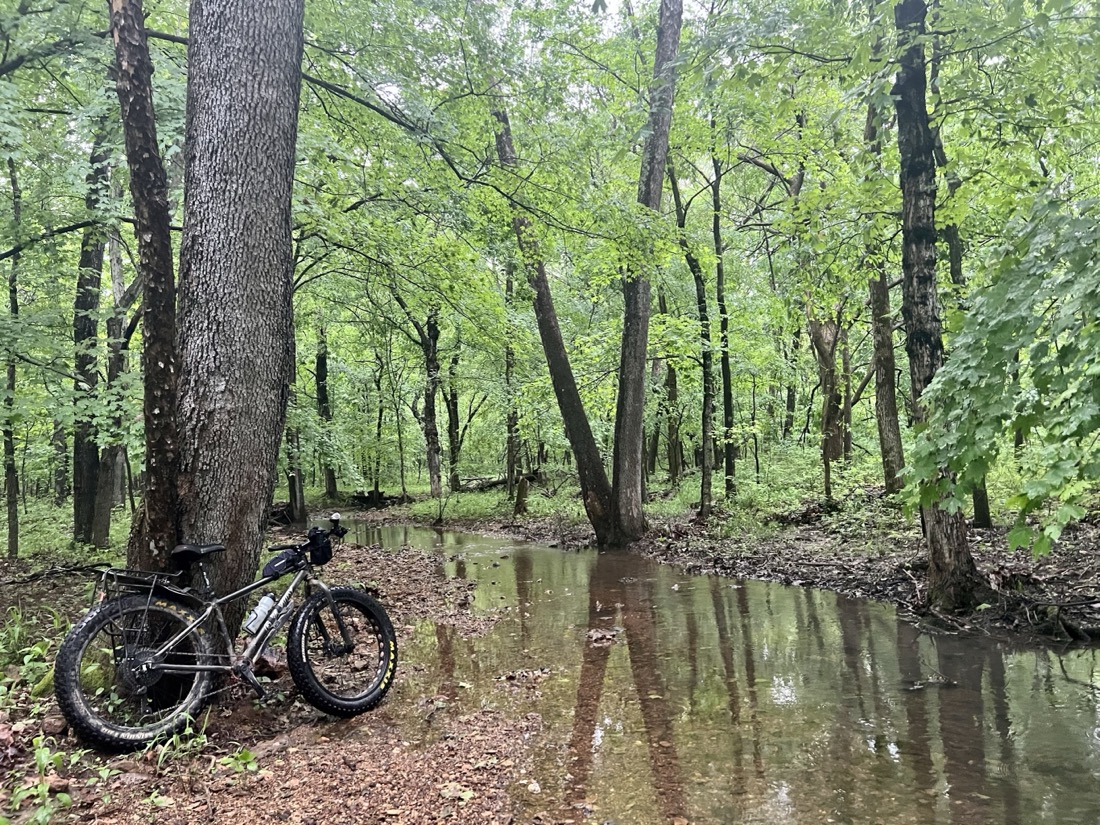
320	546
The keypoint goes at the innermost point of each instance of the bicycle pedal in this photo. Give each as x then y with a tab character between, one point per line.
254	683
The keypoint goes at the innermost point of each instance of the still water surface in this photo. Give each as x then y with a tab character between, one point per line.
674	698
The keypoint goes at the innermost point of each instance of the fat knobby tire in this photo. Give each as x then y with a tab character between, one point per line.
80	681
318	663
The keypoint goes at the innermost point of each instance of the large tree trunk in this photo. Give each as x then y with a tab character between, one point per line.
953	577
85	334
236	272
154	532
11	475
595	489
324	409
628	470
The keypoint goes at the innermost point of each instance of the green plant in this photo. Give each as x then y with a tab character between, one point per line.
241	760
35	799
182	746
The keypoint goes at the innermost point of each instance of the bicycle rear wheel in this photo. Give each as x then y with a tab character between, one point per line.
342	675
111	686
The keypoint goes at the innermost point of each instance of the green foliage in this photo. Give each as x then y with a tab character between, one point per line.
1025	362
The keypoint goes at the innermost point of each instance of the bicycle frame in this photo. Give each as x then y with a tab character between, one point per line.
252	651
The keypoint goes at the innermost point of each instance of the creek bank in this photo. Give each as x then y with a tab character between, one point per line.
869	550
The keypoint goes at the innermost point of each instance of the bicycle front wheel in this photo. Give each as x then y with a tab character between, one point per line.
342	655
116	686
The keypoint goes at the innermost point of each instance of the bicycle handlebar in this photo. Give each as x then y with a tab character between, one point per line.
336	530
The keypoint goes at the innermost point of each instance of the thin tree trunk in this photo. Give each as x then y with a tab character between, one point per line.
886	402
154	532
295	477
111	466
951	234
792	390
376	469
61	463
11	474
628	470
454	446
825	336
324	409
882	323
595	489
236	274
511	446
953	577
729	445
706	354
85	335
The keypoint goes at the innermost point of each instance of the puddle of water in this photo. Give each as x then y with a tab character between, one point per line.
719	701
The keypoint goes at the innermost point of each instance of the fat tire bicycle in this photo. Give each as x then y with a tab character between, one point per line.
146	657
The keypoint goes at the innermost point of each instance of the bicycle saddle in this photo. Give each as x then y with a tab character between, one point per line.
188	553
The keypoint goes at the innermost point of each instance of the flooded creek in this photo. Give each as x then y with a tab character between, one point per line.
672	698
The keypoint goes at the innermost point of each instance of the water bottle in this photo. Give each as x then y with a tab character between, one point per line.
256	618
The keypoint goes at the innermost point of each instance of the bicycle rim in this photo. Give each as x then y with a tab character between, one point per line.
346	675
112	686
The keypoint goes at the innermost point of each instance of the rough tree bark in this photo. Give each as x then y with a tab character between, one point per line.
953	577
628	468
236	273
154	532
85	333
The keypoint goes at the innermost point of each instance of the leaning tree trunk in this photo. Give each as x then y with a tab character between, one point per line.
236	273
154	532
85	334
595	489
11	475
953	577
628	468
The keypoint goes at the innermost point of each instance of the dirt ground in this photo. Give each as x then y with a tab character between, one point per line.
282	761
